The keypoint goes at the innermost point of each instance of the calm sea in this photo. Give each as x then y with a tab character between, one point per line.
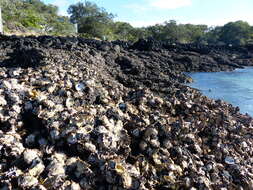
234	87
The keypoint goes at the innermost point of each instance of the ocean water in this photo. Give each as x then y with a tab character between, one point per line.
235	87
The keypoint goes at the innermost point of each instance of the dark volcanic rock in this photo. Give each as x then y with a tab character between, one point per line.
25	57
88	114
147	45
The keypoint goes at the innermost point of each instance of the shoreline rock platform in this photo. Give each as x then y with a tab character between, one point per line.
86	114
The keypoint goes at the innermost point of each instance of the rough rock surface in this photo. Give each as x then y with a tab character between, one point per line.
85	114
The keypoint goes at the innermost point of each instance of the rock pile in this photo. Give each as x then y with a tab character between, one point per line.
83	114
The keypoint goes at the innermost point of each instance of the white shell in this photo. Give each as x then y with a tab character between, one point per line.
3	102
80	86
30	155
229	160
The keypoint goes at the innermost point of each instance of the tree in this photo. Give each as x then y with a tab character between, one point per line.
30	19
172	32
237	33
62	26
123	31
10	9
34	15
194	33
212	35
91	19
1	22
156	32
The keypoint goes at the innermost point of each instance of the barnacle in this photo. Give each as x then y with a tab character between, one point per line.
33	93
170	178
119	168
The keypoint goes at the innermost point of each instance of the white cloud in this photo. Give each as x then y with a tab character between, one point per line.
136	7
62	12
61	3
158	4
169	4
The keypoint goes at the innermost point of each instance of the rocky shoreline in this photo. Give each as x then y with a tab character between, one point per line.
85	114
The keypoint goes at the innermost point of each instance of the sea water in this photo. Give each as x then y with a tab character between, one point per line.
235	87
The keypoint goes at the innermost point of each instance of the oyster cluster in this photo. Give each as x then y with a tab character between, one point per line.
75	123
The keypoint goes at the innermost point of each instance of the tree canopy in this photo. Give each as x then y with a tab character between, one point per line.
95	22
91	19
236	33
34	15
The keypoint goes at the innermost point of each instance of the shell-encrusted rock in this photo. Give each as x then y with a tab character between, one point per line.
111	134
41	97
6	85
69	102
49	103
55	134
30	155
119	168
78	167
127	181
15	72
154	143
27	181
150	133
68	84
90	147
56	169
175	168
82	132
16	109
59	157
3	102
52	88
39	187
46	114
37	168
53	182
229	160
93	118
13	143
13	173
91	82
33	94
73	186
59	108
80	86
169	178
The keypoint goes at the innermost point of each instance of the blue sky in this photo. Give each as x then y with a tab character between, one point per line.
149	12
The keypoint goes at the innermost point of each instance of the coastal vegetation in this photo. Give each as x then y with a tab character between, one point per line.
36	16
95	22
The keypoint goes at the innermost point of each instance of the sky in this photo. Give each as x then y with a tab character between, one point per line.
149	12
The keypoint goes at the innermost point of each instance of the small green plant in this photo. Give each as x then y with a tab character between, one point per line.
31	19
